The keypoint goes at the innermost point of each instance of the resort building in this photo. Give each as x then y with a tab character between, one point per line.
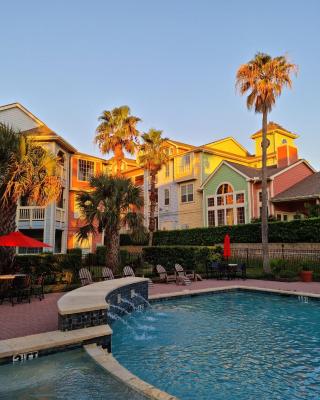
48	224
215	184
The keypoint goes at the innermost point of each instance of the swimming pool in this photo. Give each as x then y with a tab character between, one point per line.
70	375
233	345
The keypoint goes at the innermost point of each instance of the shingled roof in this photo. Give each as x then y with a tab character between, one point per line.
256	172
308	188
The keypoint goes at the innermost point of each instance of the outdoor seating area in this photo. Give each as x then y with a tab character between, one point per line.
19	288
224	270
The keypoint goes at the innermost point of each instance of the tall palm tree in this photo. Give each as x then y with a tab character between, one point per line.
151	157
117	132
113	203
264	78
26	170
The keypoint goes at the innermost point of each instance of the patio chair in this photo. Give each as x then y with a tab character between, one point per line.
6	292
164	276
37	288
128	271
85	277
107	274
241	271
184	277
21	287
214	270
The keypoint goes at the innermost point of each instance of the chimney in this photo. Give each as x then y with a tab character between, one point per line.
286	155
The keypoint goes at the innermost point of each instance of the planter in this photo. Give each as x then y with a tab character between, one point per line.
306	276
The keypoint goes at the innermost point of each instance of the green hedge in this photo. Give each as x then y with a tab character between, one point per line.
190	257
279	232
126	240
48	263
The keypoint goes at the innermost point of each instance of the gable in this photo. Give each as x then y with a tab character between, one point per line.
224	173
228	145
18	119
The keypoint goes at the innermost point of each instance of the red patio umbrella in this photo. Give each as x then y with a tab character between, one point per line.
226	247
18	239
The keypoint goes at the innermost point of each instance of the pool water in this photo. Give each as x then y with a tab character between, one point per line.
236	345
70	375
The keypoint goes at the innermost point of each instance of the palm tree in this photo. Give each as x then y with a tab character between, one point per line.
113	203
151	157
117	132
264	78
26	170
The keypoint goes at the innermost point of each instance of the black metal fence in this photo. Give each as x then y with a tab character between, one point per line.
294	258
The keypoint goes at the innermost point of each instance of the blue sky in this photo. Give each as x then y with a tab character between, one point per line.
172	61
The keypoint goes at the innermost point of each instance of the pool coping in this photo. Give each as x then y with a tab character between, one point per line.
196	292
92	297
116	370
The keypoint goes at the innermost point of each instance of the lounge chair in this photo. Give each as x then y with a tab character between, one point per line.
128	271
85	277
107	274
164	277
186	275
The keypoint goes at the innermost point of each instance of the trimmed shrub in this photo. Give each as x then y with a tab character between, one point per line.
307	230
127	240
190	257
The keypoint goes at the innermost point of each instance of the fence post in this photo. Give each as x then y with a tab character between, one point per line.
247	257
282	251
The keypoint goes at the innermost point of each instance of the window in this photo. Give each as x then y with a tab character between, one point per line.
260	196
167	171
186	160
278	217
211	218
227	207
240	198
240	215
187	193
285	217
221	218
166	197
85	170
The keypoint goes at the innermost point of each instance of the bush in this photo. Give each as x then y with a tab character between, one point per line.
101	252
127	240
279	232
190	257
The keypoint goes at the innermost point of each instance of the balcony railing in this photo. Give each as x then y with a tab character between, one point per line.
30	213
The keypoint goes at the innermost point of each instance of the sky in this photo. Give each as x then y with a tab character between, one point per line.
173	62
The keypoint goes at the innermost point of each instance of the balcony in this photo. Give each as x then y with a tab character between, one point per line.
62	173
184	168
34	217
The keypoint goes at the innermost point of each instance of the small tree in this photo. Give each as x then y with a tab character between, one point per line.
113	203
264	78
117	132
151	157
26	170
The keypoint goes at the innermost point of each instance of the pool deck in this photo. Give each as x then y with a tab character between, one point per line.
42	316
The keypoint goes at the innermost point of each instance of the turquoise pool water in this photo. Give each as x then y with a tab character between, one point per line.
70	375
236	345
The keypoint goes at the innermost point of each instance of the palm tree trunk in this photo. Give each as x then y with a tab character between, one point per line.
152	198
119	156
112	253
264	187
8	224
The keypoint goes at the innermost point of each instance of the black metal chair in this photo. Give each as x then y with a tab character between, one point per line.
37	287
6	292
21	288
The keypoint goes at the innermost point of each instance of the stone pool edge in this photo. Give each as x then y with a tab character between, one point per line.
120	373
199	292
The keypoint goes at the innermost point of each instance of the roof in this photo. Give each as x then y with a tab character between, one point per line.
306	189
22	108
181	144
256	172
47	134
80	153
207	145
272	126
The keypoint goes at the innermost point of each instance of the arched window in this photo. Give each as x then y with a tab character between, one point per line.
225	188
227	207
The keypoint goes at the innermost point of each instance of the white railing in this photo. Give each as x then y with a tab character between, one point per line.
31	213
60	215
